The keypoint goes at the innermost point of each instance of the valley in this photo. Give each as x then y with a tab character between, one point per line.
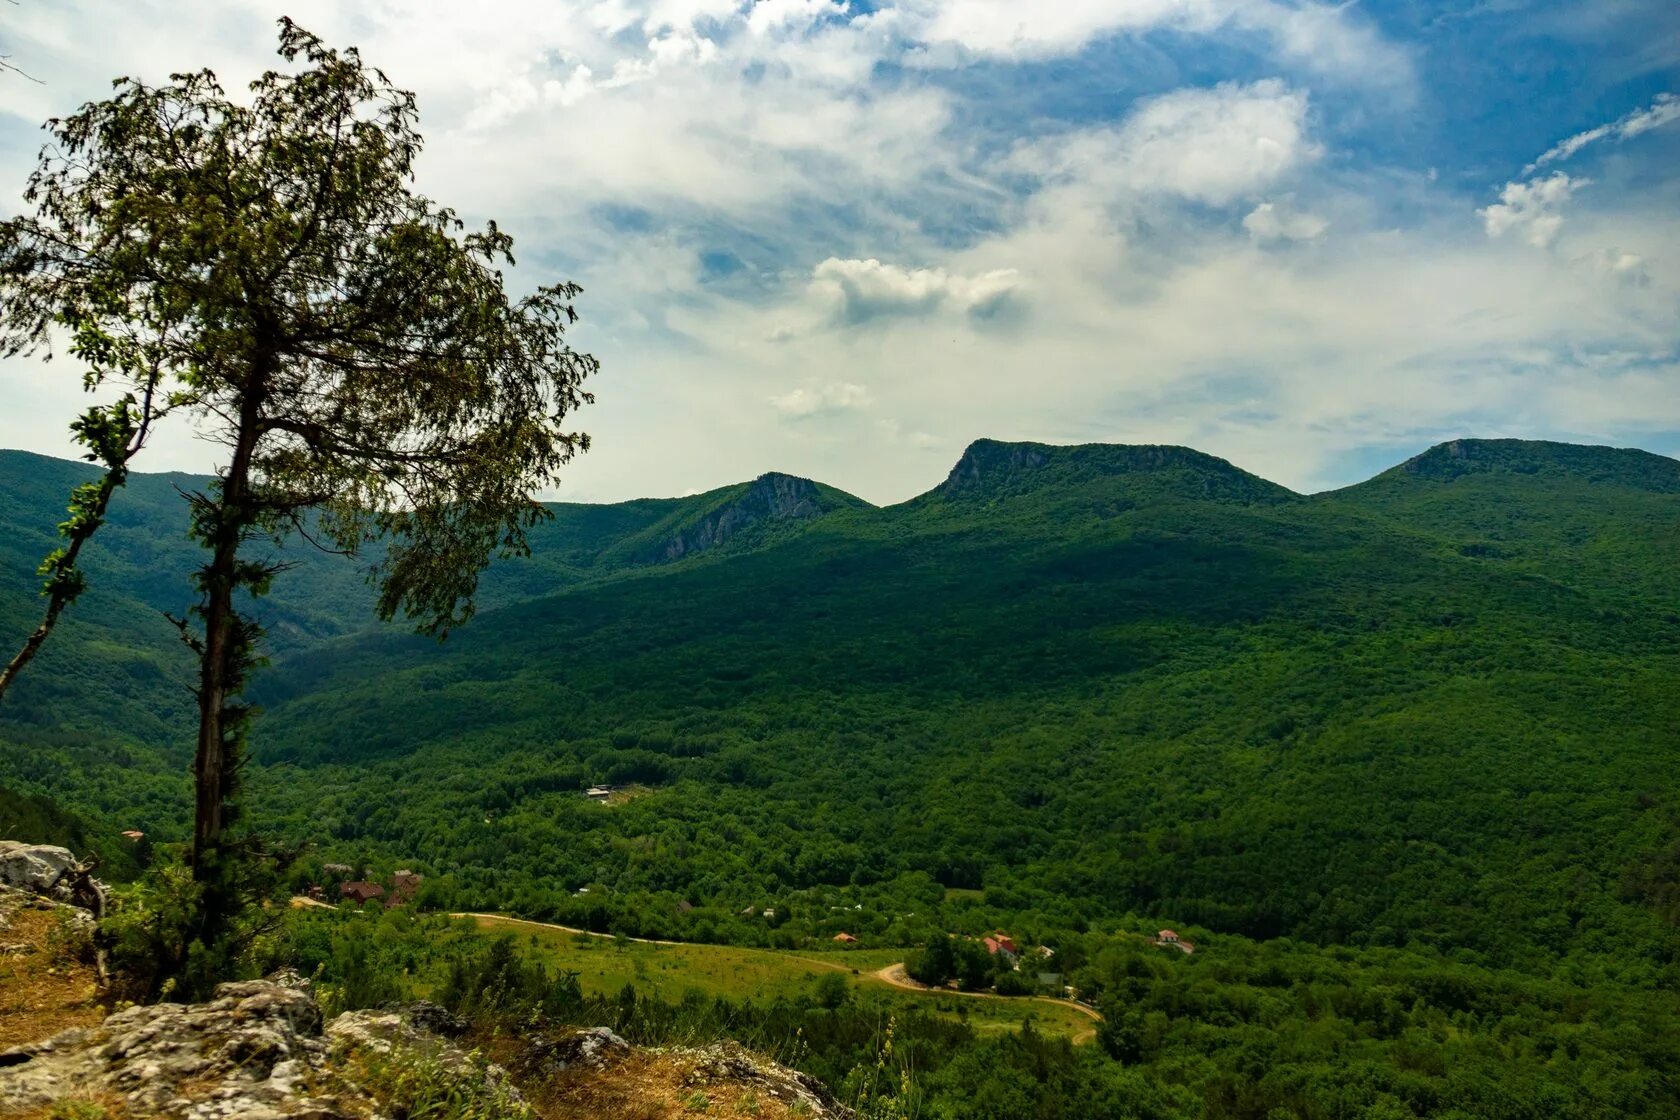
1397	758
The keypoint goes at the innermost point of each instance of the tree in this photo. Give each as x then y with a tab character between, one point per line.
936	963
348	343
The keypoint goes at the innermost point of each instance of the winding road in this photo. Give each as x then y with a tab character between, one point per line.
892	975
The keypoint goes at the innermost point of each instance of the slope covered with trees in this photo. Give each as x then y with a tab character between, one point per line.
1432	709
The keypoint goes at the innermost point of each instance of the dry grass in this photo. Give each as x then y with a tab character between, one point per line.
652	1086
44	988
95	1106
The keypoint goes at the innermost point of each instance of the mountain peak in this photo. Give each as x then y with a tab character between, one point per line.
769	499
1614	466
990	468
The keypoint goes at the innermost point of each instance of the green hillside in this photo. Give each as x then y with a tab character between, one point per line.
1401	758
1087	681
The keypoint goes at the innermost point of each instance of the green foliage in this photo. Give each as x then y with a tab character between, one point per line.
499	983
158	944
1250	1032
1398	759
413	1084
254	263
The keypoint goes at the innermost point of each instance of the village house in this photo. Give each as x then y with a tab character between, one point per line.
845	939
598	793
1168	939
360	892
133	834
1001	943
405	886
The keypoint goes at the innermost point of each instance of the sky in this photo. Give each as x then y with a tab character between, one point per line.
842	240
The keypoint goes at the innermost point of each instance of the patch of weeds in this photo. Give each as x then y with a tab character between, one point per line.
407	1082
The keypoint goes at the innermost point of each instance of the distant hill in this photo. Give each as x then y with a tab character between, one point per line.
989	470
1436	708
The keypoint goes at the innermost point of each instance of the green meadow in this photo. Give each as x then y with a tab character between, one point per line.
605	965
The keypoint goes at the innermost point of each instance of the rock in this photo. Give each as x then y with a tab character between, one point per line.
769	498
242	1054
729	1063
52	873
425	1015
37	868
594	1047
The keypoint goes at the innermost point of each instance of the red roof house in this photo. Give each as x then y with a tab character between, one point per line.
405	884
361	891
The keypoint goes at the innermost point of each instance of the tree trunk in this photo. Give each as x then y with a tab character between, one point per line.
216	665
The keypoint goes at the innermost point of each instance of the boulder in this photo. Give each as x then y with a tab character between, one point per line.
37	868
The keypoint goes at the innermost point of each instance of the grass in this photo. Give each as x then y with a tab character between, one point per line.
605	965
673	1085
45	987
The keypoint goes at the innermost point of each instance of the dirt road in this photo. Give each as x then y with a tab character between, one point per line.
895	975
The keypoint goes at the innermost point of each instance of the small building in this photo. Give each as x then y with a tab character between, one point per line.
133	834
360	892
598	793
1001	943
343	869
845	939
684	906
405	886
1168	939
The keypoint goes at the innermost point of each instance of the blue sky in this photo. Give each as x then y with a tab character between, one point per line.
844	240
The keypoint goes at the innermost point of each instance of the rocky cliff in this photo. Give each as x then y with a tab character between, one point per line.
768	499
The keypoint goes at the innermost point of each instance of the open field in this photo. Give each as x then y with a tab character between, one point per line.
604	965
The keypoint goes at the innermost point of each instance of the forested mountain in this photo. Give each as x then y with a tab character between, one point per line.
1435	709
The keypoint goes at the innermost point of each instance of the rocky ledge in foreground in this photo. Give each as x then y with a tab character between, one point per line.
260	1050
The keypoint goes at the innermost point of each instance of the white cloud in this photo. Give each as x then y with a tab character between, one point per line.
1010	28
628	142
1530	210
1664	109
1271	221
770	16
1620	265
856	291
821	400
1211	145
1329	39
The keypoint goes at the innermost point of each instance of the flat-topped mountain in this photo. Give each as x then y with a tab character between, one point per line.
1608	466
991	469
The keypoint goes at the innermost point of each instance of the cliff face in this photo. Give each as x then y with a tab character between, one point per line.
770	498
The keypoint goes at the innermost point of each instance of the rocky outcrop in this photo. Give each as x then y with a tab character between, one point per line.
243	1054
260	1049
987	461
770	498
256	1051
729	1064
52	873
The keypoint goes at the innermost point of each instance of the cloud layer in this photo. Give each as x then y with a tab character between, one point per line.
844	239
